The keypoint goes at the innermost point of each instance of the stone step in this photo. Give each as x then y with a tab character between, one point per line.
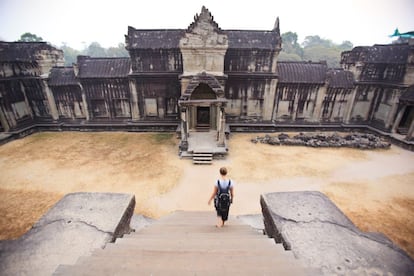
196	244
202	158
183	263
191	230
187	243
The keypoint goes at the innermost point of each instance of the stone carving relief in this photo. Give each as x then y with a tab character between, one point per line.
203	46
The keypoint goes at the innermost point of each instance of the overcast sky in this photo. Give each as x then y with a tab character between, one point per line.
80	22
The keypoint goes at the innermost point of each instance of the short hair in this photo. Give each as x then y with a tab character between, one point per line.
223	171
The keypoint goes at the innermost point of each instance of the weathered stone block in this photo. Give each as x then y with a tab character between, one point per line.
74	227
319	234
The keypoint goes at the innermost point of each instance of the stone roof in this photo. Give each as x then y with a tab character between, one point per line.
390	54
169	39
339	78
242	39
153	39
408	96
23	51
61	76
103	67
302	72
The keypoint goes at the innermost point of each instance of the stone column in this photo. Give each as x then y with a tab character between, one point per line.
3	121
221	134
85	104
26	100
393	111
398	119
295	105
184	132
269	99
410	131
50	100
350	106
319	101
134	100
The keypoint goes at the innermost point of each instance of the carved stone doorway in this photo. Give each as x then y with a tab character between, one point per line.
203	118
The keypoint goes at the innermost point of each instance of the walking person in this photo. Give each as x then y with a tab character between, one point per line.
223	195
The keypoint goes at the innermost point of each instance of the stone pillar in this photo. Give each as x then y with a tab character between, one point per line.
393	111
222	123
317	114
398	119
269	100
350	106
184	131
26	100
410	131
3	121
134	100
85	104
295	105
51	100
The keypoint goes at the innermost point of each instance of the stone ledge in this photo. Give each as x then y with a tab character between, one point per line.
320	235
74	227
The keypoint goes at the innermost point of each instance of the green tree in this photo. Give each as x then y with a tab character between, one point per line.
331	55
70	54
316	48
346	45
119	51
290	45
95	50
29	37
316	40
283	56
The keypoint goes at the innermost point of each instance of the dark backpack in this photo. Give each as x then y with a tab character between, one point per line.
223	197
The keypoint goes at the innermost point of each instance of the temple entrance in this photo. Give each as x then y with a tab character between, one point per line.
203	118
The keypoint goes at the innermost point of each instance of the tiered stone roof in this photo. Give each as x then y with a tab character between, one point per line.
103	67
61	76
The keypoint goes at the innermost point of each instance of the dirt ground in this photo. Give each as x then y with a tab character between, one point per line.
375	189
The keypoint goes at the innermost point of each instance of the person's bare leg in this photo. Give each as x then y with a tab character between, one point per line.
220	222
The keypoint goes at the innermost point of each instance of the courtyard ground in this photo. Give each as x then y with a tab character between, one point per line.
375	189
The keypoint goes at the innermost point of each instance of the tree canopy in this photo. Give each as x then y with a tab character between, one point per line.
29	37
94	50
313	48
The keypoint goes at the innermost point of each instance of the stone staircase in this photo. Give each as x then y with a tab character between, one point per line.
203	157
188	243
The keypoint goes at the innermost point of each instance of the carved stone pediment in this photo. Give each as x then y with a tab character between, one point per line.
203	46
204	31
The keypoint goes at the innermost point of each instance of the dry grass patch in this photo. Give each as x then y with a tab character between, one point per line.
20	209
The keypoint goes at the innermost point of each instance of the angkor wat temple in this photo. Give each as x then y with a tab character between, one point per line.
206	80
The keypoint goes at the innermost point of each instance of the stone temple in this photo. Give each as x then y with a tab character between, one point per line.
203	83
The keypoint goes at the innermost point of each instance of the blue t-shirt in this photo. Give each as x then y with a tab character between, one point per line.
224	183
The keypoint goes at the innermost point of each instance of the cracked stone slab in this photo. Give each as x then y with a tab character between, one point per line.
320	235
73	227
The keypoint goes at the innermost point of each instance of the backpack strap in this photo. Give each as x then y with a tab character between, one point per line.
218	187
219	191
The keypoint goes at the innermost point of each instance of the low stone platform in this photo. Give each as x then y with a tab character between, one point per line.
320	235
74	227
